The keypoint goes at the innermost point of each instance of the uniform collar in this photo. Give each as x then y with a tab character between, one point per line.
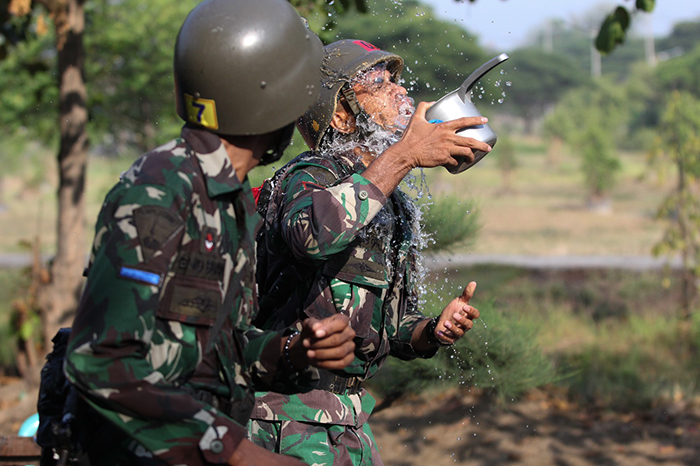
219	175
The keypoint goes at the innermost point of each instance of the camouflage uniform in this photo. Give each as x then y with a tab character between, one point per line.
162	346
332	242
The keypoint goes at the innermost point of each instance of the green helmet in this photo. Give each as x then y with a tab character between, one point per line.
245	67
342	61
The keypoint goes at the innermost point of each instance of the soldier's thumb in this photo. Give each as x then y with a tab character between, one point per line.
468	292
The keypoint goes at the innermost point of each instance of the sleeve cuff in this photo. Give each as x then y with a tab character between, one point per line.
220	440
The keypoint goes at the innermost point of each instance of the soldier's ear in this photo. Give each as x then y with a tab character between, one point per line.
343	120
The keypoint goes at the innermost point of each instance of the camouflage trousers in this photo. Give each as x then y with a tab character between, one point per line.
317	444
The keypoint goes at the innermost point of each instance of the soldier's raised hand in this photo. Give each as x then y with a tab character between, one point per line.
458	317
432	144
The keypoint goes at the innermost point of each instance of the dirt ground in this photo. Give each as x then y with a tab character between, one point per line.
542	430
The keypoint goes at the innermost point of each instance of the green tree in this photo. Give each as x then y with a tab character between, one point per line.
678	146
25	21
438	54
450	222
590	120
542	80
681	74
684	37
599	162
506	160
130	71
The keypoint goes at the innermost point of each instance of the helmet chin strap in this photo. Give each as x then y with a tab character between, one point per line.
284	138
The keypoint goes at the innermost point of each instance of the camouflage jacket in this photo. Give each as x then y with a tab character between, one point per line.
167	308
332	242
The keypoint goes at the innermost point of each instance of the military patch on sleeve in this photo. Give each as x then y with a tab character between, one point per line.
155	226
196	303
191	300
200	265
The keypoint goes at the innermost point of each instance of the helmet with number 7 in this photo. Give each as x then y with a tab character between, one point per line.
342	61
245	67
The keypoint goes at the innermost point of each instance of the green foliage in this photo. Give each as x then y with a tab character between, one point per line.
129	71
499	355
322	14
28	89
505	155
540	79
599	162
438	54
646	5
451	222
590	120
657	364
680	74
613	30
678	145
684	37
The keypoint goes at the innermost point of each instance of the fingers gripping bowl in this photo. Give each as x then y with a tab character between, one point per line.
458	104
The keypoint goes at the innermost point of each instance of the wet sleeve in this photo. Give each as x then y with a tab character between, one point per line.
409	316
110	358
319	221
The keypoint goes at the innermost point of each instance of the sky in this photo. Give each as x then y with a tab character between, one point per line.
505	24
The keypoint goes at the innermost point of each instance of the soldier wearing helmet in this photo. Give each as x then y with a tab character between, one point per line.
339	238
162	349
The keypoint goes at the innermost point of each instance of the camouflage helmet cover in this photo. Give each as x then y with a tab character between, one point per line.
342	61
245	67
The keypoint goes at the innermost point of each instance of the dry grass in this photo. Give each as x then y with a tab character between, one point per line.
545	210
543	213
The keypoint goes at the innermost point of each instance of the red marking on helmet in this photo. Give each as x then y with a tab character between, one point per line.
365	45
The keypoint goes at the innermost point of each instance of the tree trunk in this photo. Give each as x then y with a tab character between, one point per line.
59	298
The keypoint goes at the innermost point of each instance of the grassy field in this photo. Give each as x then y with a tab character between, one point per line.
608	338
542	213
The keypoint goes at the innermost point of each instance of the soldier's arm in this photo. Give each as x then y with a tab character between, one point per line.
117	357
408	341
319	221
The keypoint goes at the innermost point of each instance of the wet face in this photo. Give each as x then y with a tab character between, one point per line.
382	99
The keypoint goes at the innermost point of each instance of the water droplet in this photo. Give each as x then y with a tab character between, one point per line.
263	85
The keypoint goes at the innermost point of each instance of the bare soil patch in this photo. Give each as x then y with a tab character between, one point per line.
463	428
543	429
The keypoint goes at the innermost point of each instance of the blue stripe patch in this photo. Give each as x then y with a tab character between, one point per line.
140	275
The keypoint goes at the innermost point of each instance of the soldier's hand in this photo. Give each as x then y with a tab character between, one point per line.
427	144
326	343
458	317
249	454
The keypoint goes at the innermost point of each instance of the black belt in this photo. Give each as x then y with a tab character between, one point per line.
338	384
